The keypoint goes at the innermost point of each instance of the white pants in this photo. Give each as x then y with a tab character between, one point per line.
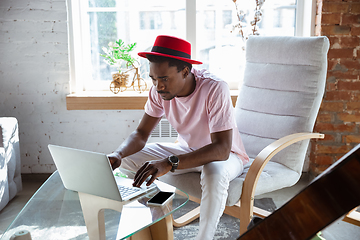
215	178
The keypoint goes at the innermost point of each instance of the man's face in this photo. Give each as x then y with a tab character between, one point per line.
168	81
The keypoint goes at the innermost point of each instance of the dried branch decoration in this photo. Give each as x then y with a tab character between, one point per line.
241	17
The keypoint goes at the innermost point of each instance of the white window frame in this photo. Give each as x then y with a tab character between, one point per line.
305	26
305	18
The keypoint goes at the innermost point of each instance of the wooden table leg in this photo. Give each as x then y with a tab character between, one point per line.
93	211
162	230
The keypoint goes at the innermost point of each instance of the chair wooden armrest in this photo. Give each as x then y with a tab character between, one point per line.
252	177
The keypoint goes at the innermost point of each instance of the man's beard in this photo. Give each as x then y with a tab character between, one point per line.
166	97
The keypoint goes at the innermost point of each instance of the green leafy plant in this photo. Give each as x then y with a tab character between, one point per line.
118	53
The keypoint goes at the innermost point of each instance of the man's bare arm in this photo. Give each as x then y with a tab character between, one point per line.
135	142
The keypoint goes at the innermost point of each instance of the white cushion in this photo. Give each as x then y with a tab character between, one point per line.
284	82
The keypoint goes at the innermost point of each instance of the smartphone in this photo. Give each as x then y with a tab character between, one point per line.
160	199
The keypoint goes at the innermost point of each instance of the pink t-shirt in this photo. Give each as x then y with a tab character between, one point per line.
207	110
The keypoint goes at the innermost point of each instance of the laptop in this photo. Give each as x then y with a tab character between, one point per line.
91	172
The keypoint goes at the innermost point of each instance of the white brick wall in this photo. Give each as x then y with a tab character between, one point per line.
34	82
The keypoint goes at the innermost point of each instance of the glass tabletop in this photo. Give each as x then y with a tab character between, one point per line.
54	212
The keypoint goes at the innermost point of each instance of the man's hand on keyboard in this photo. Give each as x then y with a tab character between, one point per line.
155	169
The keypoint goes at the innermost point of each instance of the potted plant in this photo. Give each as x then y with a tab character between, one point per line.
119	54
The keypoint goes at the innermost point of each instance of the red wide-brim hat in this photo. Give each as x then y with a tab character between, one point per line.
172	47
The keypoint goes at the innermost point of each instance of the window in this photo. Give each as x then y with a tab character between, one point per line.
207	24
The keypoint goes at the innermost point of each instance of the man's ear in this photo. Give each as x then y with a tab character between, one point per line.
185	72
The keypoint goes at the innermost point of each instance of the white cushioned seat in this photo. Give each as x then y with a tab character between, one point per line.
283	86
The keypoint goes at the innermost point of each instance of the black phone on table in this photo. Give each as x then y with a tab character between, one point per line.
160	199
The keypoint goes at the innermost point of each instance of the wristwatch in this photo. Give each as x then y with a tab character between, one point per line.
174	160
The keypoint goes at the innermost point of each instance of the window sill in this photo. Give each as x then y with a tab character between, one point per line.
105	100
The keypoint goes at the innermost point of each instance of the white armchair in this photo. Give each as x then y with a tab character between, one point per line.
284	83
10	165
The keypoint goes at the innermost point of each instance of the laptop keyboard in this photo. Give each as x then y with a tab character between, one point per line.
126	191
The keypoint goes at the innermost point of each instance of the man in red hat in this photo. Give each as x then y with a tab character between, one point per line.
198	105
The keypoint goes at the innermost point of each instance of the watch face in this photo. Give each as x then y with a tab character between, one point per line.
174	159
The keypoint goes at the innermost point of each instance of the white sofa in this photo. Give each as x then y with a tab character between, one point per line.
10	165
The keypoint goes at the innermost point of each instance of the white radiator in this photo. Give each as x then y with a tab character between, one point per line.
163	132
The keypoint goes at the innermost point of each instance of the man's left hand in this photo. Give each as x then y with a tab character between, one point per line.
155	169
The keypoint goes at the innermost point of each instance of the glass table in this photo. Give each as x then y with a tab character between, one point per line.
54	212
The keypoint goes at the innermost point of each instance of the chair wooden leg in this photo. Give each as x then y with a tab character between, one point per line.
190	216
245	214
260	212
353	217
234	211
187	218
